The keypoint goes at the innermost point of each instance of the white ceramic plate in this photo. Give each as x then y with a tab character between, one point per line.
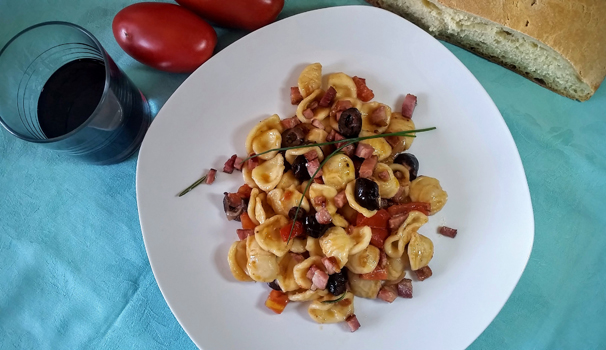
472	153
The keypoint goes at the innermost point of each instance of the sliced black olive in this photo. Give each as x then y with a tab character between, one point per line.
350	123
366	193
293	211
293	137
313	228
409	161
274	285
299	168
337	282
233	205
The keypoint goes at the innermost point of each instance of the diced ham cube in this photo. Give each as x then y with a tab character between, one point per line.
311	272
387	293
320	201
290	123
353	323
228	167
252	162
329	95
295	95
340	199
297	257
368	166
331	135
331	264
308	113
408	106
339	137
383	175
424	273
311	155
323	216
318	124
393	141
313	105
379	116
364	150
405	288
382	259
349	150
312	166
210	178
320	279
319	181
396	221
447	231
242	233
238	163
339	107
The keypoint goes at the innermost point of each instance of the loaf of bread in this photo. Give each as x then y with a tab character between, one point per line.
559	44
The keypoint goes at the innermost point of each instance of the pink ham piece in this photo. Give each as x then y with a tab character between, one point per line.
364	150
320	201
312	270
339	137
308	113
447	231
331	264
290	123
368	166
408	106
379	116
396	221
210	178
329	95
319	279
331	135
318	124
319	181
405	288
295	95
349	150
353	323
382	259
312	166
297	257
228	167
311	155
238	163
323	216
252	162
423	273
340	199
339	107
313	105
388	294
383	175
242	233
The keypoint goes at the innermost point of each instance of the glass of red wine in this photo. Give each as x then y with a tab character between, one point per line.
59	88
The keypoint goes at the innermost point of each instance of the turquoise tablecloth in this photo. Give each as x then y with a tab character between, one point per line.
73	268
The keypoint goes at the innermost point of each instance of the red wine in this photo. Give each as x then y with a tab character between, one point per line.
70	96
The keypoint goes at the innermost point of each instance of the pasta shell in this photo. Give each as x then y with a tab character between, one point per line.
336	242
288	179
420	251
282	201
363	288
313	247
270	123
286	278
328	192
262	209
339	220
237	261
310	79
365	261
300	271
351	199
334	124
387	188
361	237
404	181
306	294
252	205
381	147
298	245
394	245
265	141
247	175
268	174
320	113
262	266
338	171
291	154
396	268
331	312
428	190
318	136
268	235
399	123
343	84
367	109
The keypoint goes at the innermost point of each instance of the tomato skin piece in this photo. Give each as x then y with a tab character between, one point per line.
379	220
164	36
247	223
377	274
378	236
424	208
242	14
276	301
297	231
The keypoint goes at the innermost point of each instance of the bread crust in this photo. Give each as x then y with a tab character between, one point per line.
575	29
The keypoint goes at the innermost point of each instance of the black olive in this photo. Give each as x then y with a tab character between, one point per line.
337	282
366	193
274	285
350	123
409	161
299	168
293	137
313	228
293	211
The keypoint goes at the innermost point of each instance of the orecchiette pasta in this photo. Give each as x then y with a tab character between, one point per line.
268	174
382	149
252	206
361	237
268	235
339	220
288	179
343	84
363	288
318	113
399	123
328	192
336	243
266	141
282	201
331	312
237	261
262	266
270	123
395	268
395	244
367	109
338	171
420	251
428	190
387	188
310	79
306	294
313	247
298	245
291	154
365	261
300	271
351	199
286	277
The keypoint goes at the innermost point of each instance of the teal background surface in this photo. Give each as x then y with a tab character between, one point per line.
73	269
